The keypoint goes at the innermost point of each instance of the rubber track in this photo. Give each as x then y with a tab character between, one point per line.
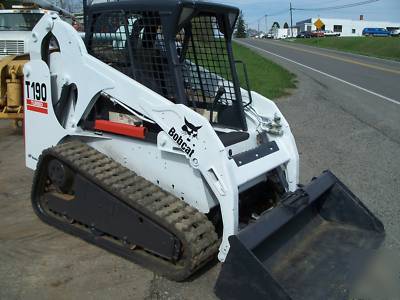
196	233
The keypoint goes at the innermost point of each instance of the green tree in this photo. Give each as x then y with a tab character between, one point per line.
276	25
240	27
286	25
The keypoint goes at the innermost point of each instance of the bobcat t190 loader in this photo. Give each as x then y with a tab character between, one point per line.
145	144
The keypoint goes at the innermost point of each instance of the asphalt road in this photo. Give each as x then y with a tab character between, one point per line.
377	75
372	85
345	116
337	126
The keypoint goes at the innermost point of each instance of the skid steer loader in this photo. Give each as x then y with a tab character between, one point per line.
145	144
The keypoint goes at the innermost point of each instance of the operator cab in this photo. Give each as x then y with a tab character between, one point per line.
180	49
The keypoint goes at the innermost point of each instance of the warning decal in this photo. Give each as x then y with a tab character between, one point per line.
36	106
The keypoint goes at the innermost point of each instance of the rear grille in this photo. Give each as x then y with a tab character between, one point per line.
9	47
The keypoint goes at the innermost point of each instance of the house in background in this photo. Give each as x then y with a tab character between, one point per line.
345	27
283	33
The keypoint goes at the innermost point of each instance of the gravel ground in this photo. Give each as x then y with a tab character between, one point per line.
334	129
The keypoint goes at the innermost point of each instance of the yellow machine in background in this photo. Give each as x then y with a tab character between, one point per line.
16	24
11	89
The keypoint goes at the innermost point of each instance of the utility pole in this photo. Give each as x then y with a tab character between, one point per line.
266	24
85	17
258	32
291	20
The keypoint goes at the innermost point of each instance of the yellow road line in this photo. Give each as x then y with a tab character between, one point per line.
348	60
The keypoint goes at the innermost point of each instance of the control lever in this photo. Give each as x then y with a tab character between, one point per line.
220	93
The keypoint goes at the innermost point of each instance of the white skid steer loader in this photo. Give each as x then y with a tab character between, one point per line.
145	144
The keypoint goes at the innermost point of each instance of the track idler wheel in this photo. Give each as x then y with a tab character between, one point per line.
60	175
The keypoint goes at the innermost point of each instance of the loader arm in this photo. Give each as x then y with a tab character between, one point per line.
206	153
73	65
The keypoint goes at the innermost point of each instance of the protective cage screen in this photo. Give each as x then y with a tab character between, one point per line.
206	64
133	43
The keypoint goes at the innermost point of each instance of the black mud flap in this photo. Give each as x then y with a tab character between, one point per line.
312	246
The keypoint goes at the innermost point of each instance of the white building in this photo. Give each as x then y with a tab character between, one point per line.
283	33
345	27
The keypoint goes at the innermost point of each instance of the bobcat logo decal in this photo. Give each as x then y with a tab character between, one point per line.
189	131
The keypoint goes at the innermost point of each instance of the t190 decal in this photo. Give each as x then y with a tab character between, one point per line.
36	97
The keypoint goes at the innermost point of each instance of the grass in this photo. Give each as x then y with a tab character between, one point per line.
266	77
382	47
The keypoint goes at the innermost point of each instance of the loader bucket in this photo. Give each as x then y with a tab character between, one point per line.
312	246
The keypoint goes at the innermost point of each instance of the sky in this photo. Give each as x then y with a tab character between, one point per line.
383	10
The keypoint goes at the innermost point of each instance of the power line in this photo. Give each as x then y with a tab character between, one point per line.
291	9
337	6
278	13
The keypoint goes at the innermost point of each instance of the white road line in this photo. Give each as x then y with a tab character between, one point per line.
323	73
